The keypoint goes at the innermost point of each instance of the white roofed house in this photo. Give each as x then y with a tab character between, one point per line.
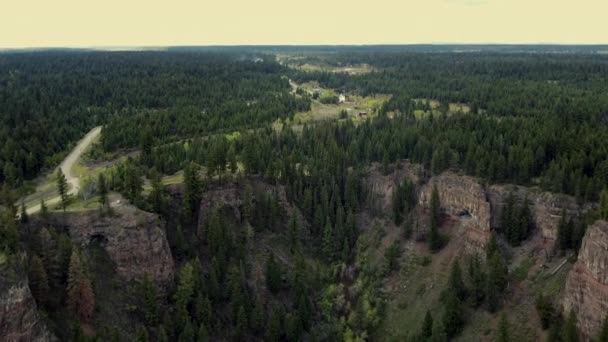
341	98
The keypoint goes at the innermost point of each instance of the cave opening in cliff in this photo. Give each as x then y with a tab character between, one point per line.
98	239
464	213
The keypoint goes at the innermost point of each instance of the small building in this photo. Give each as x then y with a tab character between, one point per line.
341	98
362	114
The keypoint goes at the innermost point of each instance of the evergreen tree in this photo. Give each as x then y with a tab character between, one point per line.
273	326
142	334
455	282
496	281
162	334
478	280
38	280
24	216
604	205
273	274
545	310
570	330
187	333
184	295
62	188
80	296
427	326
102	190
603	334
435	207
294	233
435	239
564	232
44	210
453	316
150	302
248	203
503	329
328	240
157	194
241	324
203	334
257	318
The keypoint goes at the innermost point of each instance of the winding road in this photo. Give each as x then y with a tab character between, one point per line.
67	166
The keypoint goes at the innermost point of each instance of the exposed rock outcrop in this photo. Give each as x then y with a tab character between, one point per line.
19	318
586	289
381	186
133	239
547	207
462	196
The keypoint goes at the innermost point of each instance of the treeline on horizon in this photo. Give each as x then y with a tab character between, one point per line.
536	118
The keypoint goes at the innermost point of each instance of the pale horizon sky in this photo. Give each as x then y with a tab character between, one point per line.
82	23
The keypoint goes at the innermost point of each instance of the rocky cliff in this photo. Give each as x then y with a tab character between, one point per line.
462	196
133	239
19	318
547	207
381	186
587	285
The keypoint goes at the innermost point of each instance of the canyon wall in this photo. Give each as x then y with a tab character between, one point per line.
19	318
586	289
462	196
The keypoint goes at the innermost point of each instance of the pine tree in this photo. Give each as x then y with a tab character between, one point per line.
24	216
257	317
453	317
248	203
328	240
142	334
273	274
435	240
241	324
563	232
570	330
427	326
102	190
162	334
44	210
203	333
62	188
80	296
183	294
545	310
294	233
478	280
496	281
273	326
157	194
435	207
150	302
38	280
187	333
603	334
604	205
503	329
455	282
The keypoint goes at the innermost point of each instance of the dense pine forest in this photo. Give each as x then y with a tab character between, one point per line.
272	225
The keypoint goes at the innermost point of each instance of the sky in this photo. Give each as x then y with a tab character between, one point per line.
129	23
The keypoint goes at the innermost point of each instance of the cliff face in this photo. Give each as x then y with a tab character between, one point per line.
587	285
19	318
547	207
133	239
381	186
462	196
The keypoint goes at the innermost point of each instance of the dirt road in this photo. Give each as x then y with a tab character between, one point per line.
67	166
